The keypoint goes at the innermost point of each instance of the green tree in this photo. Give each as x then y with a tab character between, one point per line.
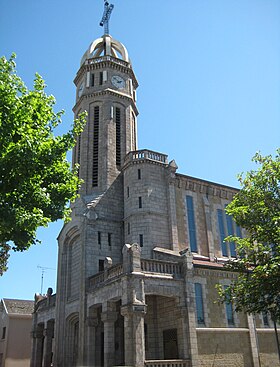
256	208
36	181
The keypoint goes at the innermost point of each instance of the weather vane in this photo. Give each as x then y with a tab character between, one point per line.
108	8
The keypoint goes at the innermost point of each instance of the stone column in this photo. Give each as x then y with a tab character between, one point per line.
189	313
108	318
48	336
134	338
39	344
92	323
254	341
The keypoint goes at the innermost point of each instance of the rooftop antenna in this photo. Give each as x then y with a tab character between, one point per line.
43	268
108	8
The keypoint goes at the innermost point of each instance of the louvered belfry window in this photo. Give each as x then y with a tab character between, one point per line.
118	136
95	146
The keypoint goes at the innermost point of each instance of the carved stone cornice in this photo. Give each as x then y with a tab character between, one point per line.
205	187
104	92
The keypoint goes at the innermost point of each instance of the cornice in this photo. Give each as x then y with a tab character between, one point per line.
103	65
105	92
205	187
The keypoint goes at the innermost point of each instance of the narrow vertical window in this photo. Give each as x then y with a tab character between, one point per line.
95	146
99	239
133	138
222	232
128	228
118	136
101	265
199	304
141	240
109	239
79	153
238	231
100	78
127	191
191	223
4	332
92	80
140	201
265	319
139	174
229	311
232	248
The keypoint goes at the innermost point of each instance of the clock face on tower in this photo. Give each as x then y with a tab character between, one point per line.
118	81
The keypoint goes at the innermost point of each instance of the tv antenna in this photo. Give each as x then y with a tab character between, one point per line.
43	269
108	8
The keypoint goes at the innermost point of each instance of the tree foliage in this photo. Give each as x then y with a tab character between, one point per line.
256	208
36	181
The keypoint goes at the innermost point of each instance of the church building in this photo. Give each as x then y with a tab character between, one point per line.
139	261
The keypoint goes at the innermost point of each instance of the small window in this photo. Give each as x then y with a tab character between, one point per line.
92	80
99	239
140	201
127	191
139	174
229	312
101	265
199	304
265	319
100	78
110	239
141	240
4	332
128	228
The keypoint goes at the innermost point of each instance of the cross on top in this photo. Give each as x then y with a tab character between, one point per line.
108	8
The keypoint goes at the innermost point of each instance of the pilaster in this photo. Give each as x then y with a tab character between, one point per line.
189	312
253	341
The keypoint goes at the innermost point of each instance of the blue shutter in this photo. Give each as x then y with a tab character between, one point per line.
222	232
199	304
231	233
191	223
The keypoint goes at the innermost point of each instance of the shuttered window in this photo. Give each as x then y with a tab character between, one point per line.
191	223
95	146
118	136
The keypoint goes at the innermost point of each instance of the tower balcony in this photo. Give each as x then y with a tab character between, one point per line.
146	155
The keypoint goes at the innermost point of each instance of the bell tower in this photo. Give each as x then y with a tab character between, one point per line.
106	89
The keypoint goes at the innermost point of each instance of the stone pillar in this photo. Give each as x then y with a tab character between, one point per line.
254	341
92	323
48	337
172	167
189	314
134	338
108	318
38	347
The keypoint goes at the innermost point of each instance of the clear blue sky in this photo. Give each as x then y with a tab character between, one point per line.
209	94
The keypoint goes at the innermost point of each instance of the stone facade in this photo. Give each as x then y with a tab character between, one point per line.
138	263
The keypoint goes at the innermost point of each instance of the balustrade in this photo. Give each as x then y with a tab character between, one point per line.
168	363
146	154
162	267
